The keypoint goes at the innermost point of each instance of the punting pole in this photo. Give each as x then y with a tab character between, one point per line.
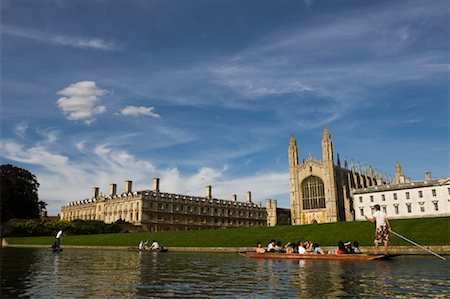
412	242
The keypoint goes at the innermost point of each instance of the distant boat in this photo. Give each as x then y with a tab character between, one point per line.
312	256
147	250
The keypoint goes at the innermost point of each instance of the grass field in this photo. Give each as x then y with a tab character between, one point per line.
425	231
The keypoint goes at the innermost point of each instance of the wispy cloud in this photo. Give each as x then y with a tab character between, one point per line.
139	110
81	100
62	40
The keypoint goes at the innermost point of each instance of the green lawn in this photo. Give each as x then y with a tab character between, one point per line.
425	231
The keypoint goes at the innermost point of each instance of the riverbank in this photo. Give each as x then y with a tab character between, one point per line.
425	231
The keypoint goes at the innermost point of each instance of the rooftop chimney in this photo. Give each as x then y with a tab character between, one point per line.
249	196
112	189
155	184
128	186
95	192
234	197
427	175
208	191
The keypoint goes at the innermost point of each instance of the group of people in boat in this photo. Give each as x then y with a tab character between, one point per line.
381	235
143	245
306	247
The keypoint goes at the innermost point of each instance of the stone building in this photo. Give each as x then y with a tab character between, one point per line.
154	210
320	190
404	198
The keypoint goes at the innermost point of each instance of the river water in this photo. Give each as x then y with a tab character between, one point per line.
77	273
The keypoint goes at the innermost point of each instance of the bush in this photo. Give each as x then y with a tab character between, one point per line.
38	227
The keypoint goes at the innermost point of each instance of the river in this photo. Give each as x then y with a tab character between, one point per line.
78	273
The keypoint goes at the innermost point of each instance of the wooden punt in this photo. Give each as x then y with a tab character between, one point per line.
147	250
312	256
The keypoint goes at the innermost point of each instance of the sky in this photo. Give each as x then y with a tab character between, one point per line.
204	93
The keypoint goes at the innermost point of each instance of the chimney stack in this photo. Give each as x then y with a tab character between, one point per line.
95	192
155	184
112	190
208	191
249	196
234	198
128	186
427	175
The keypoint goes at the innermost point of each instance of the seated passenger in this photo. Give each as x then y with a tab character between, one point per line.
317	249
279	248
308	246
259	248
289	248
356	249
271	246
348	246
141	245
154	246
301	248
341	248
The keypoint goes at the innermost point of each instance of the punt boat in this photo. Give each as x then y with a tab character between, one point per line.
312	256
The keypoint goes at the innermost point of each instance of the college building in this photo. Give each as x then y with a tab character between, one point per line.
154	210
405	198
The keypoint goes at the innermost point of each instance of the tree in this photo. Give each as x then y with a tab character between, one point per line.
19	193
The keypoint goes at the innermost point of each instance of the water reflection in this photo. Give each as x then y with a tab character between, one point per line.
37	273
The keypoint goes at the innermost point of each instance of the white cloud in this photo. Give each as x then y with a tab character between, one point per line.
141	110
63	40
63	180
81	101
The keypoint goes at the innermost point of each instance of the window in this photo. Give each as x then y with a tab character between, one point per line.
371	198
408	207
436	208
313	193
360	198
383	197
433	192
395	195
361	210
448	191
420	194
396	209
407	195
422	209
384	209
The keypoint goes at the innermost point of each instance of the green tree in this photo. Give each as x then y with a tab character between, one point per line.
19	193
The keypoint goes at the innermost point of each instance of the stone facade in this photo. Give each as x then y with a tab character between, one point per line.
320	190
155	211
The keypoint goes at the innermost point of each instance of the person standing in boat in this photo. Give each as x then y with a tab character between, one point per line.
382	228
58	239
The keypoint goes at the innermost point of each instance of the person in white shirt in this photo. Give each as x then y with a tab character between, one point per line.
154	246
271	246
382	228
301	248
58	239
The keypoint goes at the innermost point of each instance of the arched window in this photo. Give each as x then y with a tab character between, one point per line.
313	193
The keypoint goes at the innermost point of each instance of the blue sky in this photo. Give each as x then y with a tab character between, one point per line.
208	92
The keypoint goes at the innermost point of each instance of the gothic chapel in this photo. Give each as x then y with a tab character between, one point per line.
320	190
